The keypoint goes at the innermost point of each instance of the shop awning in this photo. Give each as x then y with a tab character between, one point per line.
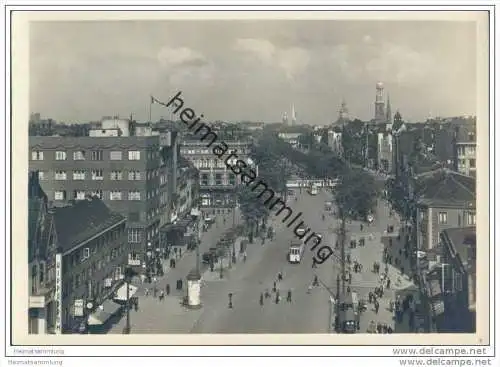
121	293
103	313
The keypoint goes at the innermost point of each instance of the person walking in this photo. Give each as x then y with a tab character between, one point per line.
289	296
167	289
377	305
261	299
277	296
274	287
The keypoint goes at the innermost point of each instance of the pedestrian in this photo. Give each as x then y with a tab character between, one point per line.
315	281
309	288
175	252
274	287
389	330
180	253
388	283
289	296
146	292
244	256
162	295
402	270
379	328
155	291
277	297
361	227
261	300
167	289
377	305
314	265
280	276
370	297
267	294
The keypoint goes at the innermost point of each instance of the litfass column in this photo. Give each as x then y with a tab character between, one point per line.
193	289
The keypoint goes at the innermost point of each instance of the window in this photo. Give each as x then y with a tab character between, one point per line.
36	155
79	155
471	219
218	179
134	235
443	218
118	273
79	195
134	195
60	156
97	175
41	176
97	193
116	175
96	155
472	163
232	179
86	253
134	175
115	195
78	175
60	175
115	155
134	155
204	179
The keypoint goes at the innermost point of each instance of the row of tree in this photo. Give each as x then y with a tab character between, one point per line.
356	192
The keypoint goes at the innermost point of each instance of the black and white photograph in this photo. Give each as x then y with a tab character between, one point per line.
255	175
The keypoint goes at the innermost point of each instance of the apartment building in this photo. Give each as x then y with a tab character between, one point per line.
129	173
90	260
384	151
446	199
465	150
217	182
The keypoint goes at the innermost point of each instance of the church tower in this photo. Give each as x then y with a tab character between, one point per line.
379	103
389	112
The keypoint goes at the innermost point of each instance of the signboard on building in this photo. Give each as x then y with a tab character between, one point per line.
58	294
134	262
78	308
37	302
108	282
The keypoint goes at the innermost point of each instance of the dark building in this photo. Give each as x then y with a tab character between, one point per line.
451	282
90	261
131	174
41	255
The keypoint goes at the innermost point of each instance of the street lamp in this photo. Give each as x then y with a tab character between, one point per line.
128	278
195	214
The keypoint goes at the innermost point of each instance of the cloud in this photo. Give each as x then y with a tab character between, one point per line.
180	57
400	64
292	60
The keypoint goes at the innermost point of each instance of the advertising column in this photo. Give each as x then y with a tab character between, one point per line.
58	294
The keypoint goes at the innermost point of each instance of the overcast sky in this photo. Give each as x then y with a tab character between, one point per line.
251	70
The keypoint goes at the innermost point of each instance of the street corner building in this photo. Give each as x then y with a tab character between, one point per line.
77	258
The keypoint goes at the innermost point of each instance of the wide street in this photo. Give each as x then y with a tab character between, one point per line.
309	312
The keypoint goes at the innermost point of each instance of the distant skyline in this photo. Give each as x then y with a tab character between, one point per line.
235	70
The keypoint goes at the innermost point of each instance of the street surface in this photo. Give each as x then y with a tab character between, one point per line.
309	312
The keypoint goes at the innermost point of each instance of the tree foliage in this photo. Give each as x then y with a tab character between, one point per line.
252	209
356	194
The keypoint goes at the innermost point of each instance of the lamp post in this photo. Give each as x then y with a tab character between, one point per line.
128	277
148	265
195	214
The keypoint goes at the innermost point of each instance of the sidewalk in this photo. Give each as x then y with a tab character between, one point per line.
169	316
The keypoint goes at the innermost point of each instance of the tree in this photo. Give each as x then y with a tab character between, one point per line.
356	194
253	210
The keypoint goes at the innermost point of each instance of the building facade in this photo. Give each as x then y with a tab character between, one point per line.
384	151
41	255
90	260
465	150
446	199
217	182
129	173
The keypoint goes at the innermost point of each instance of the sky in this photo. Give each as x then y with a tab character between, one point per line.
238	70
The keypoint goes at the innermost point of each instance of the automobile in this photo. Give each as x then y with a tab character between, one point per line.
209	220
300	231
208	257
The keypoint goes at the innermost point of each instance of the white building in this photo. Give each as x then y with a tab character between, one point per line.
335	141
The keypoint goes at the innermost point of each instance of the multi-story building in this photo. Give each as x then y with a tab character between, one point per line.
41	255
129	173
384	151
335	140
217	182
90	260
465	150
290	138
77	256
445	199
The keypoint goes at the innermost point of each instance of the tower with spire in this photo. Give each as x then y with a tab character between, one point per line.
380	116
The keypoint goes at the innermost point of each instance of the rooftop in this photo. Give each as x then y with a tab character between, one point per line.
461	239
79	222
446	186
